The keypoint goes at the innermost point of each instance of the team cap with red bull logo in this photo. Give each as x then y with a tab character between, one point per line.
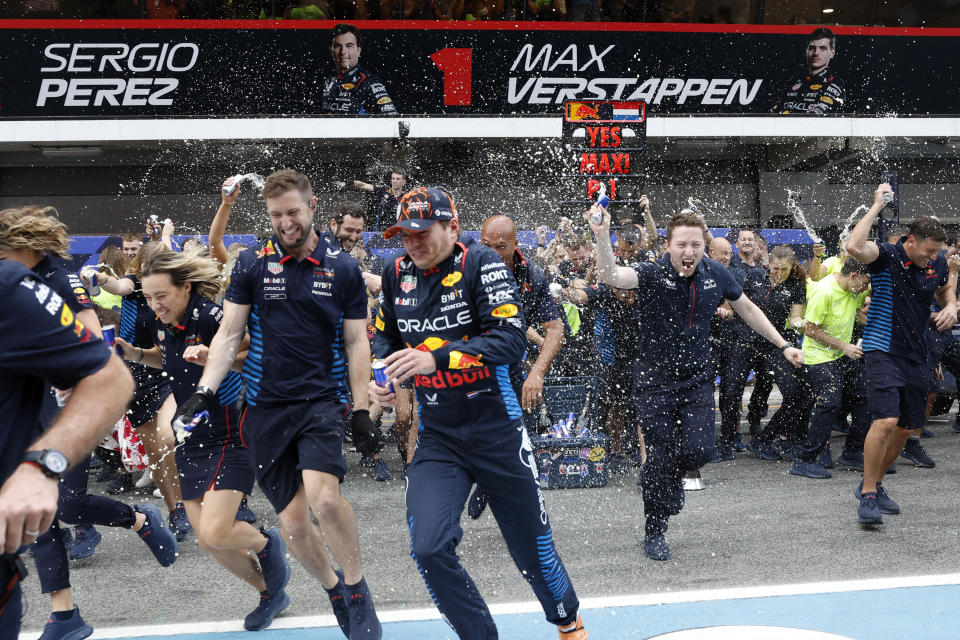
420	208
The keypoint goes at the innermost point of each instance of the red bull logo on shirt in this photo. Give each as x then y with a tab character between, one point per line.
460	360
267	250
447	379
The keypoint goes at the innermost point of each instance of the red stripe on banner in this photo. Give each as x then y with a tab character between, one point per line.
473	26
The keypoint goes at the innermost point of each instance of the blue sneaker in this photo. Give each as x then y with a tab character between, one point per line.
85	541
262	616
244	513
95	461
162	542
338	600
364	624
66	625
722	454
825	459
381	473
868	513
809	470
915	453
884	501
179	523
892	468
762	450
848	460
655	547
926	433
738	443
273	562
477	503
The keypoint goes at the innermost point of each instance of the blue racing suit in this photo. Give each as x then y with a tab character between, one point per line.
467	312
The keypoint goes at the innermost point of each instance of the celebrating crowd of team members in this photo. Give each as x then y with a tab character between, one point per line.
458	323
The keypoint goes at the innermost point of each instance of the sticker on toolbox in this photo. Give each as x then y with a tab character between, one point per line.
597	454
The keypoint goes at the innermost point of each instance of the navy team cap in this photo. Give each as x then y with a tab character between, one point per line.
420	208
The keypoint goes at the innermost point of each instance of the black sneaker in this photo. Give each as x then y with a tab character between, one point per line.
123	483
738	443
655	547
914	452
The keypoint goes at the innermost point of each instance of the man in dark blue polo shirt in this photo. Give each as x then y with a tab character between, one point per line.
304	304
500	234
906	277
42	342
677	296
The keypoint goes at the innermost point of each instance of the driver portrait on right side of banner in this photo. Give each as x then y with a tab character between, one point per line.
819	91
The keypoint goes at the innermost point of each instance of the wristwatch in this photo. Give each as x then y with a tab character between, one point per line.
786	345
53	463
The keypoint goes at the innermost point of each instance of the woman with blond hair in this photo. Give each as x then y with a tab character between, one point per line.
152	406
212	459
32	236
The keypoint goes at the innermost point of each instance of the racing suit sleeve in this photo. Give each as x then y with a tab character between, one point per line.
376	97
496	302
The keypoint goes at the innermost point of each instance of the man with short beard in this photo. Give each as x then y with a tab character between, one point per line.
677	297
307	313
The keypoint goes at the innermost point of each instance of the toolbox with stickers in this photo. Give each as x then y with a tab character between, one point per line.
571	463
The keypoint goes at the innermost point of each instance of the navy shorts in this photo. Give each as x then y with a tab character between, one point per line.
152	389
896	388
285	440
215	463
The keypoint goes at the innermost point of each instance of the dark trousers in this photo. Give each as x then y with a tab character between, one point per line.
499	459
75	506
677	420
733	381
836	385
789	420
759	399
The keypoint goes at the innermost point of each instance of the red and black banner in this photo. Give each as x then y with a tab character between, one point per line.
65	69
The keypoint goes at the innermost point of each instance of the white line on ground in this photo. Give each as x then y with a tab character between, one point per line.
507	608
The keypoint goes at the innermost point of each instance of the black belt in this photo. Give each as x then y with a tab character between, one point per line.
12	571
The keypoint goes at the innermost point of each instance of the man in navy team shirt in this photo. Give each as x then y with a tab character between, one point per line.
305	305
905	277
500	234
41	342
677	297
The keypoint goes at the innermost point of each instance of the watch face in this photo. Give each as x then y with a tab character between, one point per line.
56	461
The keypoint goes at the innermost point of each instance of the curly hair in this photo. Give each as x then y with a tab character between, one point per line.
34	228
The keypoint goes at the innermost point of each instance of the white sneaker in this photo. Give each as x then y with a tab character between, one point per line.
157	494
146	479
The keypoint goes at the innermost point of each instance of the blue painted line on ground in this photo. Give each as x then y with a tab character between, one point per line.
887	614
